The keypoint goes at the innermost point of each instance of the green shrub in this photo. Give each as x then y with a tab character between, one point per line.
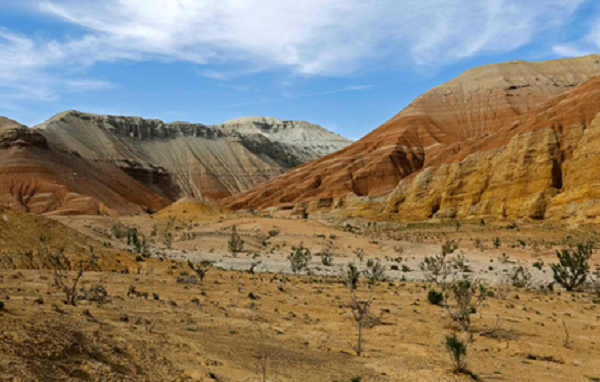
571	271
458	353
351	276
435	297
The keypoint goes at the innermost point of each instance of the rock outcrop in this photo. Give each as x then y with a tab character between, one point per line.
78	163
505	140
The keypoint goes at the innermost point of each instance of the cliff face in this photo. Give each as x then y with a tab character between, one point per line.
543	167
40	178
499	140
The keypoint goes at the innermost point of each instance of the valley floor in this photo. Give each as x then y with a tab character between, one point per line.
157	323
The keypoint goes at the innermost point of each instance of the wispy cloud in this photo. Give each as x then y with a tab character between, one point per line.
271	100
589	43
309	37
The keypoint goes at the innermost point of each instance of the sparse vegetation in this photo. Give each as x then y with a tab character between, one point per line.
462	300
351	276
572	269
362	318
200	269
375	273
457	349
435	297
299	258
235	243
61	264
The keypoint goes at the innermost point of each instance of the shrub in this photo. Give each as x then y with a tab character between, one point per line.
467	296
1	305
436	268
351	276
520	277
458	353
435	297
235	243
200	269
496	242
299	258
571	271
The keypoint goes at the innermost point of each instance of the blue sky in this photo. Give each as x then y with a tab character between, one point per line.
348	65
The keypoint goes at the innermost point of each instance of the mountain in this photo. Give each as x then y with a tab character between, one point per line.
504	140
39	177
79	163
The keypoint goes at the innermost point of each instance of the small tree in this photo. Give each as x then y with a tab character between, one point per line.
200	269
435	269
572	269
300	258
362	318
462	300
351	276
266	369
457	349
235	243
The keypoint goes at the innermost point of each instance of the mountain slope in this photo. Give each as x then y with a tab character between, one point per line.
78	163
40	178
472	113
181	159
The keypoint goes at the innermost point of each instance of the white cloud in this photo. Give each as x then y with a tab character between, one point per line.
590	43
308	37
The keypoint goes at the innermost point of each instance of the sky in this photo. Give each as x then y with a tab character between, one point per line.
348	65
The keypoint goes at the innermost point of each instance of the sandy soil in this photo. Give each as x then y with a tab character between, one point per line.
168	329
305	327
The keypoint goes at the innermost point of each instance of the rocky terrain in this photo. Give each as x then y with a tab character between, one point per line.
502	141
78	163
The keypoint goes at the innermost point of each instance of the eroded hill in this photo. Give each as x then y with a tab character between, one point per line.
504	140
78	163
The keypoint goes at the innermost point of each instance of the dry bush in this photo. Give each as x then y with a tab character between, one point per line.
61	264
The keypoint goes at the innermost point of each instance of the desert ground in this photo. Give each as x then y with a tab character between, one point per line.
252	319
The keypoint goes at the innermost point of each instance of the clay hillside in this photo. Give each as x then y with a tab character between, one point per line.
510	140
78	163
